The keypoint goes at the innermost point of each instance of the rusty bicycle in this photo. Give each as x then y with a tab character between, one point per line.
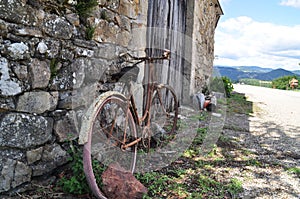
114	131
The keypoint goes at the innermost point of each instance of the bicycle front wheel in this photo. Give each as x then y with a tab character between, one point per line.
111	127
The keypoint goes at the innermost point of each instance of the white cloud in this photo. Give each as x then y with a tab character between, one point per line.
292	3
243	41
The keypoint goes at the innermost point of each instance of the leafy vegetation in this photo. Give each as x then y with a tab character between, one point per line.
283	82
53	68
238	103
84	7
191	178
89	33
294	170
256	82
222	85
75	181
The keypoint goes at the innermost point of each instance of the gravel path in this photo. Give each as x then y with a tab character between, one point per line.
270	138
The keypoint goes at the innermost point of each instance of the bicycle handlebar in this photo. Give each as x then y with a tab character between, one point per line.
165	55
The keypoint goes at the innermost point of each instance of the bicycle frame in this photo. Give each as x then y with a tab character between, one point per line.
146	116
149	92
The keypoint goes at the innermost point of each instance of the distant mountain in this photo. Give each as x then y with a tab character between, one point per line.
253	72
296	72
274	74
255	69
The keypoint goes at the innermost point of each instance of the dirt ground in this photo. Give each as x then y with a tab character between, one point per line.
260	149
270	138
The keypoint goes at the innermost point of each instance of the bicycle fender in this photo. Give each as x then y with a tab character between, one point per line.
88	118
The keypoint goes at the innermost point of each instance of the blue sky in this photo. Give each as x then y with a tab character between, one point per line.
262	33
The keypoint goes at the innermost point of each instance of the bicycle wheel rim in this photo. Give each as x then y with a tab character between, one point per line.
89	148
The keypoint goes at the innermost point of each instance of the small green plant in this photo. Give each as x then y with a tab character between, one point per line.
103	15
154	181
75	181
253	162
238	103
89	33
294	170
201	133
222	85
53	68
85	7
234	187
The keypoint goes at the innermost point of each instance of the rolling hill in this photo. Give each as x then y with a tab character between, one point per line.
252	72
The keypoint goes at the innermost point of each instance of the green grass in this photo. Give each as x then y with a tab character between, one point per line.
188	183
74	182
294	170
237	103
89	34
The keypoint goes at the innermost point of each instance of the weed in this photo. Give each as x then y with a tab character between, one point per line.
214	151
89	33
222	85
234	187
294	170
238	103
190	153
75	181
84	7
154	181
201	133
103	15
53	68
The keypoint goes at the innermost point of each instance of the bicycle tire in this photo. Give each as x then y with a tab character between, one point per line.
164	110
102	148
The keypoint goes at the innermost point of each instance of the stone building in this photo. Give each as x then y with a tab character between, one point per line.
55	57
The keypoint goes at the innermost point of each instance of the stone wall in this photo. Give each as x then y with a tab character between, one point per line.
203	23
53	62
49	71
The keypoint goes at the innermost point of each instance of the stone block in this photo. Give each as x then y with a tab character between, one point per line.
21	72
7	174
104	31
29	32
7	104
54	47
128	8
40	73
17	51
22	174
95	69
119	183
3	28
24	131
16	11
66	128
8	85
37	102
81	97
34	155
57	27
71	76
53	157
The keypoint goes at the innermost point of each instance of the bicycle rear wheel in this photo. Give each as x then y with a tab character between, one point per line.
111	126
164	110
